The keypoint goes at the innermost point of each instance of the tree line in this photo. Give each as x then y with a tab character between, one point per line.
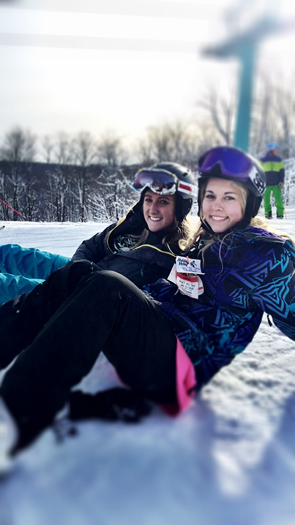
36	191
80	178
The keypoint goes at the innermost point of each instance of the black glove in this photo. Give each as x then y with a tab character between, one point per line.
111	405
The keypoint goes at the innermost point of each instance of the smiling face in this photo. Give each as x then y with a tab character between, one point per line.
158	211
222	205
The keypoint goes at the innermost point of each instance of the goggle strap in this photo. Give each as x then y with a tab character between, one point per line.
189	189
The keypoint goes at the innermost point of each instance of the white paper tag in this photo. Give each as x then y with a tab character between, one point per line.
187	265
184	274
190	285
173	275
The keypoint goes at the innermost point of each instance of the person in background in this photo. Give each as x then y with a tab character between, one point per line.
170	339
274	169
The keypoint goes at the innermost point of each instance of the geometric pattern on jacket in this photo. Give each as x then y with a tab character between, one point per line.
248	273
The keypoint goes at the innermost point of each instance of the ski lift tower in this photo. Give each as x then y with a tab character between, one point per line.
244	46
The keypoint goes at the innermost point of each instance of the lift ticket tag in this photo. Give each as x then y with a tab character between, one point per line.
185	274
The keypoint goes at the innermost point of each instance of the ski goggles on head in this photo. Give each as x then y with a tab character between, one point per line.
232	162
161	182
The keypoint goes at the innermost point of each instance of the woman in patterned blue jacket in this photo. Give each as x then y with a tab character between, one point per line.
246	270
167	342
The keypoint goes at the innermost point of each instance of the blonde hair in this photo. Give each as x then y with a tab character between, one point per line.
188	233
258	222
242	193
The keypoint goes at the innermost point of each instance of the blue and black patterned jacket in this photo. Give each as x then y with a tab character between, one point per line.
256	275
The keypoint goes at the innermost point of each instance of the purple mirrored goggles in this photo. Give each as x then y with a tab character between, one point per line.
233	164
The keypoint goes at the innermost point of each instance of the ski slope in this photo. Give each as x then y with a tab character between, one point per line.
228	460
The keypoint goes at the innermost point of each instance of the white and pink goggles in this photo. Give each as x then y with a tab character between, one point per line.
162	182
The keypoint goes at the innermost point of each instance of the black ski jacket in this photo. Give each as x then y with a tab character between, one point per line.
143	264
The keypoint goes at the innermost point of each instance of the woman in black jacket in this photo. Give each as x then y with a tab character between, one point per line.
143	245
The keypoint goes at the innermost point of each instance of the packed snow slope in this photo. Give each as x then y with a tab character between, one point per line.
228	460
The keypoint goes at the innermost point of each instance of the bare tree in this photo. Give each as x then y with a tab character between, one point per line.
144	152
264	125
47	145
221	110
18	148
176	142
180	138
84	149
114	195
273	116
160	139
4	192
205	137
61	176
110	150
285	105
58	193
84	152
63	151
167	141
29	198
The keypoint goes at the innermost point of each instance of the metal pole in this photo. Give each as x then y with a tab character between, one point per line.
242	131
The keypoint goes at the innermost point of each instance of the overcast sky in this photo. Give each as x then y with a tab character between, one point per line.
119	65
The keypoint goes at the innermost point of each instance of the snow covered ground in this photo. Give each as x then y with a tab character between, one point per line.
228	460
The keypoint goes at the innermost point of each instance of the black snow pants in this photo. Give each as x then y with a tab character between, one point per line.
103	311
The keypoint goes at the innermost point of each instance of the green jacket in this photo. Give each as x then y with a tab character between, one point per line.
274	169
